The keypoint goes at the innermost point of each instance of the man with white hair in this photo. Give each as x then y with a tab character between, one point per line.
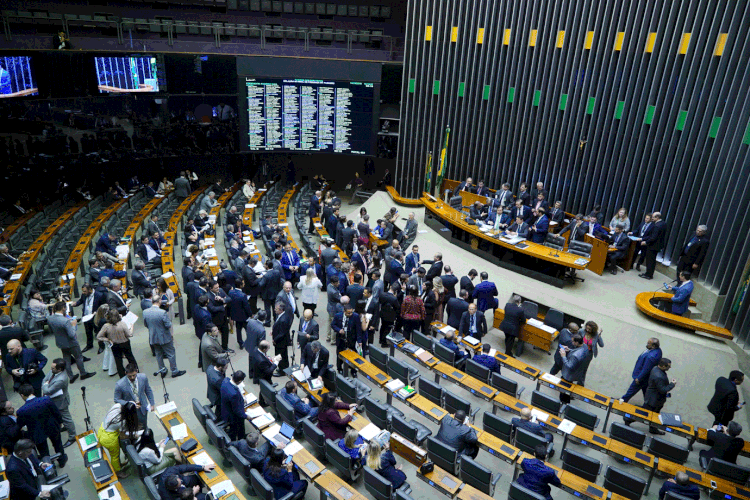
694	251
209	202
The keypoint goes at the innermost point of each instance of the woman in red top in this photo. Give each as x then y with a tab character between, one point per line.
592	338
329	421
412	311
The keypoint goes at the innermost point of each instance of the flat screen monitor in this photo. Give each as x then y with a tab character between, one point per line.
16	77
288	114
127	74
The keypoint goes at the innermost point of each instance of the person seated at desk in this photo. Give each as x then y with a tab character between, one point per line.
486	360
526	423
303	407
725	442
455	433
281	476
249	449
538	230
576	227
329	421
556	213
520	228
680	485
106	245
380	459
595	229
538	476
464	186
618	247
498	219
173	481
476	212
482	190
450	341
539	203
523	194
682	292
22	470
154	455
520	210
354	446
596	214
472	324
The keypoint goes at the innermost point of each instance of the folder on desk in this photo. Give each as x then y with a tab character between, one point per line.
671	419
101	471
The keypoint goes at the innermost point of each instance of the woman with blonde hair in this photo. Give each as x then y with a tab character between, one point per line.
381	460
353	444
310	287
439	291
621	217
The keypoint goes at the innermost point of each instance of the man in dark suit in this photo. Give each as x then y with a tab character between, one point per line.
396	268
694	252
485	293
269	286
181	187
523	194
140	279
280	335
249	449
511	325
233	405
519	228
412	260
217	306
25	365
436	267
449	282
314	210
347	236
371	308
215	375
659	386
389	313
10	431
641	232
482	190
239	310
201	320
290	264
315	358
456	307
556	213
256	333
174	480
618	248
642	370
450	341
42	419
286	297
539	203
538	230
114	299
576	227
349	333
464	186
264	365
726	398
8	332
22	470
455	433
473	323
486	360
467	283
681	486
477	212
653	243
358	259
355	291
526	424
308	331
725	443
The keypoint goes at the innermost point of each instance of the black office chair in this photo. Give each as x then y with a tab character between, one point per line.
136	461
379	487
478	476
727	470
671	495
314	436
423	341
349	392
506	385
555	318
580	248
479	372
498	427
546	403
151	488
554	241
410	430
200	413
580	464
242	466
444	456
286	413
581	417
530	309
456	202
662	448
453	403
349	467
220	439
264	491
624	434
380	414
432	391
402	371
528	441
379	358
622	483
268	394
518	492
449	357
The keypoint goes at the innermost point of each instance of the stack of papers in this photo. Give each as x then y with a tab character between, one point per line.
250	398
88	441
179	432
292	448
471	340
447	329
394	385
271	432
213	263
547	328
550	378
203	459
369	432
535	322
14	277
492	352
301	375
167	275
566	426
539	415
222	488
580	262
165	409
255	412
263	420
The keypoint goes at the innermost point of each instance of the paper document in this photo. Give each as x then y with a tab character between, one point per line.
566	426
255	412
179	432
301	375
4	489
130	318
318	224
263	420
167	275
50	487
419	351
271	432
56	394
87	318
222	488
535	322
369	432
492	352
262	190
249	205
203	459
88	441
71	276
250	398
471	340
551	378
213	263
209	252
14	277
540	415
164	409
394	385
548	329
447	329
283	224
293	448
110	493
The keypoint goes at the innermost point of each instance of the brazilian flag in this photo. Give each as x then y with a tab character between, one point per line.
441	168
428	173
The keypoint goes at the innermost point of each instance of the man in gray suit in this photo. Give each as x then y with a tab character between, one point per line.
134	387
182	187
327	254
256	333
410	230
378	286
55	386
64	330
160	337
209	202
211	349
573	368
215	375
286	295
153	225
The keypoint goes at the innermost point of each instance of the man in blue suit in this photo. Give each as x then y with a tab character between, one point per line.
682	292
233	405
520	210
290	264
538	230
358	259
201	320
249	449
312	262
18	360
42	419
498	219
449	341
485	293
472	323
239	310
643	366
22	469
302	407
396	267
486	360
411	262
526	423
349	334
314	210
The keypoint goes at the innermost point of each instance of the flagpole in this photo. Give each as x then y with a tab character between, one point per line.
443	163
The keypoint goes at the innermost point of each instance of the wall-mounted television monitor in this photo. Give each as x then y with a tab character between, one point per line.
127	74
17	77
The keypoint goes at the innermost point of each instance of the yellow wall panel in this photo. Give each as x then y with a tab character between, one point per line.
589	40
685	43
428	33
454	34
618	40
650	42
480	35
532	38
720	44
560	39
506	37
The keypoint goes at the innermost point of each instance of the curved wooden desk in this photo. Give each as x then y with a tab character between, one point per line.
281	214
643	301
16	225
400	199
138	219
323	233
216	212
247	219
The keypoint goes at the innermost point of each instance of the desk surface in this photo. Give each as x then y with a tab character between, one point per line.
469	492
572	482
442	480
358	421
97	485
372	372
468	382
517	366
16	225
412	202
332	485
426	408
643	301
308	465
165	422
704	480
532	334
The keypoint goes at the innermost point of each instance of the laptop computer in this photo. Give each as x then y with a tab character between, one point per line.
285	435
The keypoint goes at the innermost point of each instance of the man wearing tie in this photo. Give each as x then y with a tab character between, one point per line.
411	262
464	186
473	324
682	292
498	220
372	307
557	214
417	279
134	387
694	251
538	231
290	264
23	469
520	228
315	358
505	197
349	333
55	386
314	210
618	248
482	190
642	232
520	210
576	228
42	419
280	336
286	296
309	330
540	203
233	405
653	243
485	293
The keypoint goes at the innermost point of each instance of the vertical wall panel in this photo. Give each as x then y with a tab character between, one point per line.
642	105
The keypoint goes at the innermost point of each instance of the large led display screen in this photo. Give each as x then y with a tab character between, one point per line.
17	77
127	74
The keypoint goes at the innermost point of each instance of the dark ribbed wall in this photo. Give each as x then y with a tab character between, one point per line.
664	130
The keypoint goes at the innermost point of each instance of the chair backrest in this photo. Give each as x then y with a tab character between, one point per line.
580	464
269	394
453	403
624	484
671	495
581	417
216	435
624	434
497	426
444	354
262	489
399	370
580	248
518	492
546	403
400	495
477	371
341	459
530	309
422	341
378	486
314	435
136	460
476	475
431	391
666	449
554	241
240	463
346	390
555	319
151	489
457	202
286	412
199	412
443	455
729	471
401	426
526	441
379	358
504	384
377	413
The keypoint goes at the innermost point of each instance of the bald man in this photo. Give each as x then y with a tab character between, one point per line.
308	331
25	365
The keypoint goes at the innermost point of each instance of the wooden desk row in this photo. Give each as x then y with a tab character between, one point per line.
531	334
17	224
112	480
322	233
167	253
84	243
281	215
27	258
137	222
643	302
247	218
216	212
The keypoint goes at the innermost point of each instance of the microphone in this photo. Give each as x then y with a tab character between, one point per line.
83	389
163	372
